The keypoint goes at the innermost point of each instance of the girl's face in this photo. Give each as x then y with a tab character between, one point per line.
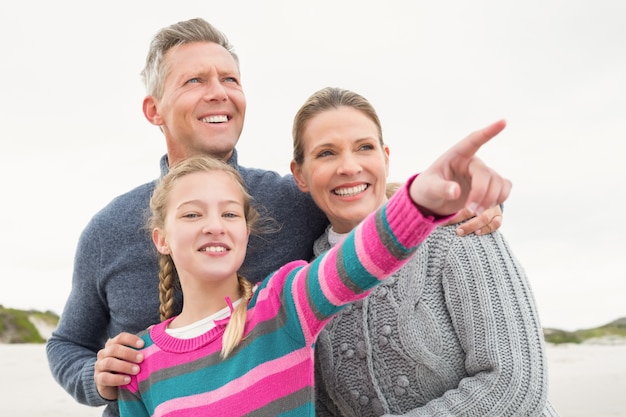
205	230
345	167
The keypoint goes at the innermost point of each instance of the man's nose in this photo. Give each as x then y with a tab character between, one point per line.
215	90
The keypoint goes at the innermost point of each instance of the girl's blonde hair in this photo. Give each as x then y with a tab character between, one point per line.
168	277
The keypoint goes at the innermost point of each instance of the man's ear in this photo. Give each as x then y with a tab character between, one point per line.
297	176
151	112
158	237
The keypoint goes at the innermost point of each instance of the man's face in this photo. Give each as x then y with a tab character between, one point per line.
203	106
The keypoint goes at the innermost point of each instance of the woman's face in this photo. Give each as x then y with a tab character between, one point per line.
345	166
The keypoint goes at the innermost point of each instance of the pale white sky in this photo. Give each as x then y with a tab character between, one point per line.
74	135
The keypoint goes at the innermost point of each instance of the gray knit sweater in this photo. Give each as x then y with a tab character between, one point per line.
454	333
115	282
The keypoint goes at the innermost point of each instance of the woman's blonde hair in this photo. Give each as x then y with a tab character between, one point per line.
168	277
329	98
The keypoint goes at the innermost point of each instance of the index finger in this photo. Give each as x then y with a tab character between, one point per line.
472	143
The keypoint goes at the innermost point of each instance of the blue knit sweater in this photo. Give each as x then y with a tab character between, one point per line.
115	277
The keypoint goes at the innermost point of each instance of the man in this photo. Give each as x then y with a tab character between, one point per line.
194	95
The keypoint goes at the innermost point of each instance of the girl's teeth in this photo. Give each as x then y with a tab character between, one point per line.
215	249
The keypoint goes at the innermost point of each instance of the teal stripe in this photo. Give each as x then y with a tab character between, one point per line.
208	373
389	238
134	407
350	272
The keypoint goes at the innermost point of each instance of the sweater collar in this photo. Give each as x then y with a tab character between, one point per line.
172	344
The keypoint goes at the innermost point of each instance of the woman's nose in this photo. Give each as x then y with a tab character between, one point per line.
349	165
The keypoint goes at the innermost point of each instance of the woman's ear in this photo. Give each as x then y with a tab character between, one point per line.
386	151
298	177
158	237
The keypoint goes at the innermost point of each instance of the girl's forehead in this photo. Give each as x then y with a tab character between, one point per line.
212	185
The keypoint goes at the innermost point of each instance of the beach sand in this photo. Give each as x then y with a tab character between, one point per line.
28	389
588	380
585	381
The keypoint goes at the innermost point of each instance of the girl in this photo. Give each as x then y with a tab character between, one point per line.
236	351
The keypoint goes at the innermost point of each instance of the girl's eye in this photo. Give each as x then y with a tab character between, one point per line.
190	215
231	215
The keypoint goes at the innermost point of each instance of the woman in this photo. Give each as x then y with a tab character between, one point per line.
455	332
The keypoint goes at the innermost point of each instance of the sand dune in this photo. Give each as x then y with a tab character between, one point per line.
585	381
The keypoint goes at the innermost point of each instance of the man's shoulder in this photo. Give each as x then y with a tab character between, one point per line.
127	210
260	175
266	185
138	197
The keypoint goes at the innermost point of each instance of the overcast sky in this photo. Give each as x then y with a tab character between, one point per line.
74	135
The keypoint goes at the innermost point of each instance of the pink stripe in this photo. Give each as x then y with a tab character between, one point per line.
328	286
150	350
374	246
309	322
268	312
333	288
162	359
168	360
273	291
257	388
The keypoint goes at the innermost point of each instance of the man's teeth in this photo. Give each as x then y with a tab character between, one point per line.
215	119
214	249
345	192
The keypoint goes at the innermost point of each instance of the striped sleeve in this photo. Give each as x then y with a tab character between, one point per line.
374	250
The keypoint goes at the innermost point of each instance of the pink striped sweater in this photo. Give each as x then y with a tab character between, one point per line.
271	372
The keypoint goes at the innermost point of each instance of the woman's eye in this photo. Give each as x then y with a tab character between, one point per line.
231	80
324	153
193	81
366	147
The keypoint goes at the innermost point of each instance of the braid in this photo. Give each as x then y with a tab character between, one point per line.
246	287
236	325
167	279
